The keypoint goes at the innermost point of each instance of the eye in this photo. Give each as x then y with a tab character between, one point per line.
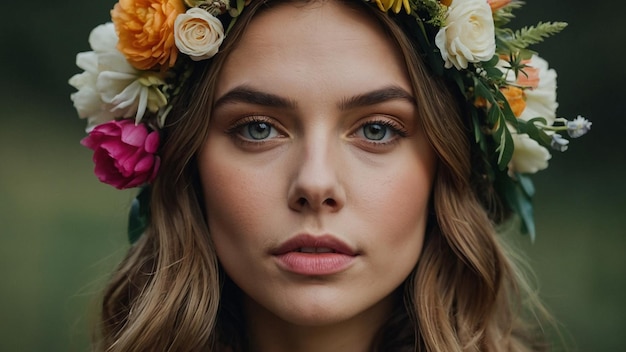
254	129
258	130
379	131
375	131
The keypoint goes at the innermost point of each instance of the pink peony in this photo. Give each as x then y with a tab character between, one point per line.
124	153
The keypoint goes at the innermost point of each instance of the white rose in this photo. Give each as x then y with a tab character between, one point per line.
110	87
528	155
468	34
198	34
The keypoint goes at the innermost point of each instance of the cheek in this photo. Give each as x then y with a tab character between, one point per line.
229	200
240	200
223	202
401	199
407	208
401	207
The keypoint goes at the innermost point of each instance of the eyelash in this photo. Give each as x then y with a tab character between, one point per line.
392	126
235	130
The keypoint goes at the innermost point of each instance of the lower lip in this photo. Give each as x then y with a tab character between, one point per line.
314	263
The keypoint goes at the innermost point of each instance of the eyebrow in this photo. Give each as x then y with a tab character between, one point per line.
376	97
246	94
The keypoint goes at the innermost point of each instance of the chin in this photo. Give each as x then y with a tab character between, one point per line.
324	307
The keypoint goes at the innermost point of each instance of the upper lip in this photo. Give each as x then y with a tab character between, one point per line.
311	241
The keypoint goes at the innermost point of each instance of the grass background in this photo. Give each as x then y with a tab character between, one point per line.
62	232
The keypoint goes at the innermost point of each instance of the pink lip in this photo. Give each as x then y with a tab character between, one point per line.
323	255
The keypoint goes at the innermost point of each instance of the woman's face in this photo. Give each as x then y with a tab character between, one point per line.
316	173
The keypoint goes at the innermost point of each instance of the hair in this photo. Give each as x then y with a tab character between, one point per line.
465	293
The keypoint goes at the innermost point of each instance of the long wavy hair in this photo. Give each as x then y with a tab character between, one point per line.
465	293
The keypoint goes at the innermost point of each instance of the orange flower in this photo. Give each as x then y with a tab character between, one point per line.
481	102
497	4
515	97
146	31
445	2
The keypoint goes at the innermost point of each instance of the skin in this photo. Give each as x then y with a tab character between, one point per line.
307	80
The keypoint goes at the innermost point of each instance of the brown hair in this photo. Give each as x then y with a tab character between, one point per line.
169	293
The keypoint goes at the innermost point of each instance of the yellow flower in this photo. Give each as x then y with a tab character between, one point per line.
394	5
146	31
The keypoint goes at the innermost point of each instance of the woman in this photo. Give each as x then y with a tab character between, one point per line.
314	185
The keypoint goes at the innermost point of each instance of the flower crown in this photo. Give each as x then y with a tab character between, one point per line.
139	62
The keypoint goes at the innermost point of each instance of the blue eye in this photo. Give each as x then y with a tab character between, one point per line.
257	131
378	132
375	131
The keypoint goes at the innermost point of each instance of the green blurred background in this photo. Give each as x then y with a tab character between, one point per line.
62	232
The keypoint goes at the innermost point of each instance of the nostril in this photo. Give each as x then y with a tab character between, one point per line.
330	202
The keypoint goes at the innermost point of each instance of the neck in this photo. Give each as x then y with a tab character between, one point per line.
267	332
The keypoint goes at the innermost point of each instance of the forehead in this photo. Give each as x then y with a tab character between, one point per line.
321	22
313	44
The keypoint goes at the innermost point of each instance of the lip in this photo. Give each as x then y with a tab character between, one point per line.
322	255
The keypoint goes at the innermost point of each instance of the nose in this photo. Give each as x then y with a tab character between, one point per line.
316	184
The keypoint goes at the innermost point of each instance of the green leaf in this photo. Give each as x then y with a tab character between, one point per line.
139	216
519	197
527	185
505	146
493	72
492	62
493	115
483	91
507	113
456	77
505	14
537	133
530	35
478	135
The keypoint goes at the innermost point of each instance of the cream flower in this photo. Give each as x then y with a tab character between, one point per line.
110	87
468	34
541	101
540	88
87	99
198	34
540	97
528	155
